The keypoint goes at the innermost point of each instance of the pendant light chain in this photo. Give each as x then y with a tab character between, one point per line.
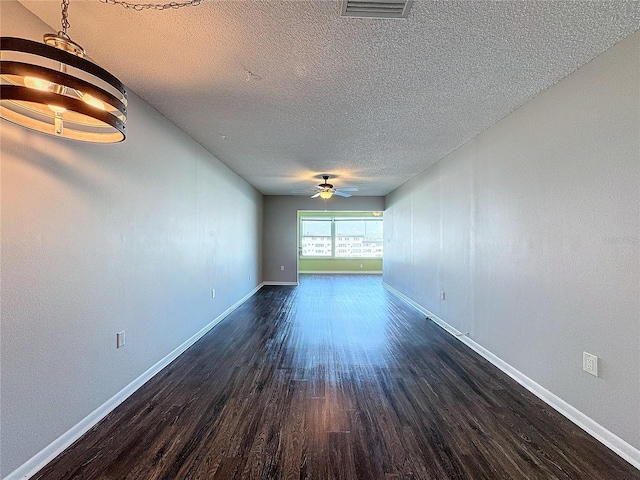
65	19
150	6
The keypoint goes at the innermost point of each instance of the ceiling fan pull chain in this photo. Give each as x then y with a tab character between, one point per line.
138	7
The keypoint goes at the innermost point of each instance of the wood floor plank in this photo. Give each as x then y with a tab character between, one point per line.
333	379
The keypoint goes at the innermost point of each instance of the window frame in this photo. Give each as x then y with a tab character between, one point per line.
335	238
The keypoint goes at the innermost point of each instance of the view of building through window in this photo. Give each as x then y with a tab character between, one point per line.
341	237
316	238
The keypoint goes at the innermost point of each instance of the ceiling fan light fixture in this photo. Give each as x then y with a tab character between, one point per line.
51	88
326	190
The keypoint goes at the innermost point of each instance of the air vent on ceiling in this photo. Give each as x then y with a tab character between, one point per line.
376	8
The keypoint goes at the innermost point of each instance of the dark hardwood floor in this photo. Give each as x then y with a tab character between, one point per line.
334	379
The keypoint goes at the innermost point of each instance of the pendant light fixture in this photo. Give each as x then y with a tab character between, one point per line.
54	89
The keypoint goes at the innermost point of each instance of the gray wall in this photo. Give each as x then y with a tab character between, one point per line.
102	238
281	229
532	230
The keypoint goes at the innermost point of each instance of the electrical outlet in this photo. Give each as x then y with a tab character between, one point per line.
120	339
213	293
360	265
442	295
282	268
590	363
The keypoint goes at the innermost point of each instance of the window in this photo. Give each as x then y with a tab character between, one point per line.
362	237
316	238
353	237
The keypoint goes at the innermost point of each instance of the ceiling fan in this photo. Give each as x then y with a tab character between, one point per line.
327	190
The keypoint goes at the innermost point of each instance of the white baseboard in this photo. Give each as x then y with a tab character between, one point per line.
38	461
341	272
279	283
600	433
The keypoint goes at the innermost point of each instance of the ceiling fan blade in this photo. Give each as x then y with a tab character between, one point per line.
341	194
318	186
316	195
348	189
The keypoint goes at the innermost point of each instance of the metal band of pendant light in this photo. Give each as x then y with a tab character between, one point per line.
20	94
60	78
52	53
54	90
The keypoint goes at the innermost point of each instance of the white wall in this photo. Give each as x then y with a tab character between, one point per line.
102	238
281	229
532	230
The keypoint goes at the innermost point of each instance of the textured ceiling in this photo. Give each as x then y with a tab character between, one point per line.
371	102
